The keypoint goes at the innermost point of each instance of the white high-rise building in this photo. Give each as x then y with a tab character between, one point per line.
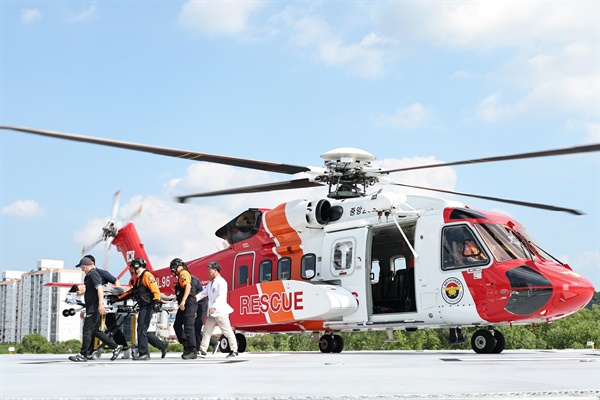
9	311
28	306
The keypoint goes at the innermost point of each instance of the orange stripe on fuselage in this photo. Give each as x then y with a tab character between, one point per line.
287	237
277	302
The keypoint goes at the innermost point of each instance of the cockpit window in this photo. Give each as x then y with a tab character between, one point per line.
541	252
461	248
242	227
502	242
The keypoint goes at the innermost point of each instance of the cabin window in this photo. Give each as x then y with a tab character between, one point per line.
343	258
375	270
461	248
265	271
243	275
399	264
284	268
308	266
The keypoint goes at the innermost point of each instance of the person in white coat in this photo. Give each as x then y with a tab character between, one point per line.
218	310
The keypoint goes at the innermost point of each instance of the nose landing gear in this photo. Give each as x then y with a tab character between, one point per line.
456	336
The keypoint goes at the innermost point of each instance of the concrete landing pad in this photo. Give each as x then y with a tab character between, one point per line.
514	374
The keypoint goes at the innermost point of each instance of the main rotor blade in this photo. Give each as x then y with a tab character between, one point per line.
268	187
546	153
501	200
165	151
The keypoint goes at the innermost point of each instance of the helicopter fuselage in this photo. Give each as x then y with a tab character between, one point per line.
387	261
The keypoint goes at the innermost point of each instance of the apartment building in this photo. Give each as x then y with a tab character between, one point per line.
28	306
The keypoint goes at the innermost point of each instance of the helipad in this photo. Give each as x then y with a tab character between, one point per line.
573	374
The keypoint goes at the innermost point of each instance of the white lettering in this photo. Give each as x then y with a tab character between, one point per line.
274	302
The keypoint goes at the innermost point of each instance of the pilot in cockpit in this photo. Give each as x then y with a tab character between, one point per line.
471	251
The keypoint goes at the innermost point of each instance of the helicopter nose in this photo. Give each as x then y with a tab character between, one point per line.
572	292
556	292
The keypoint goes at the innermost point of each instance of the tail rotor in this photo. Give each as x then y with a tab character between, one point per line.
111	229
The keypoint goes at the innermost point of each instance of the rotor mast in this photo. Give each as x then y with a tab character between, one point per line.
348	172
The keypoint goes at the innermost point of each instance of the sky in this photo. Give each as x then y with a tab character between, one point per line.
410	82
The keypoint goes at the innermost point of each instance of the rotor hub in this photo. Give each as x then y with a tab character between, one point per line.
348	172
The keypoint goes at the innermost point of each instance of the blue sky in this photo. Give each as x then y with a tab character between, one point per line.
409	82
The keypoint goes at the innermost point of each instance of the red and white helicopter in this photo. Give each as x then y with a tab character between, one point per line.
353	261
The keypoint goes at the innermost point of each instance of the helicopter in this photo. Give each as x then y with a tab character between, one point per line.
358	261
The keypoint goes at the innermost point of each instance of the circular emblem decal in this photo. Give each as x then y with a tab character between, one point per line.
452	290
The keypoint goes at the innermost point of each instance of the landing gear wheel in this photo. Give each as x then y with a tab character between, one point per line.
241	342
66	313
224	344
338	344
483	341
71	311
326	344
500	342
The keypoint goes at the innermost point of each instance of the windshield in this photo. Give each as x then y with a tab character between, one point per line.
502	242
543	255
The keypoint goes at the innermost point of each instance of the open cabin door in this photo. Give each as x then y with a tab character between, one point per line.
392	274
344	256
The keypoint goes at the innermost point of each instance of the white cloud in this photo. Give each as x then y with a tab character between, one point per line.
409	117
490	109
549	50
490	24
306	30
30	15
437	178
366	59
23	209
217	17
85	13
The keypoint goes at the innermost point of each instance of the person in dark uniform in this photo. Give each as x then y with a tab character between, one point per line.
94	310
147	295
110	319
185	292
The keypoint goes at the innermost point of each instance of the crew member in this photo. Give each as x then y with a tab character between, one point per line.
472	252
218	310
147	295
111	319
94	310
185	291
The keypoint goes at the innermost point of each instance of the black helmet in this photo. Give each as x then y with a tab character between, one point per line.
137	263
176	263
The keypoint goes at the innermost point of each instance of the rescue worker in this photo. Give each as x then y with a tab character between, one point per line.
111	319
185	292
94	310
147	295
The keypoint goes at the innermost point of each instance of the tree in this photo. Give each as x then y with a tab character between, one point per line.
67	347
36	344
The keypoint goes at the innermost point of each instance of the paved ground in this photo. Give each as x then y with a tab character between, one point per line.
524	374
